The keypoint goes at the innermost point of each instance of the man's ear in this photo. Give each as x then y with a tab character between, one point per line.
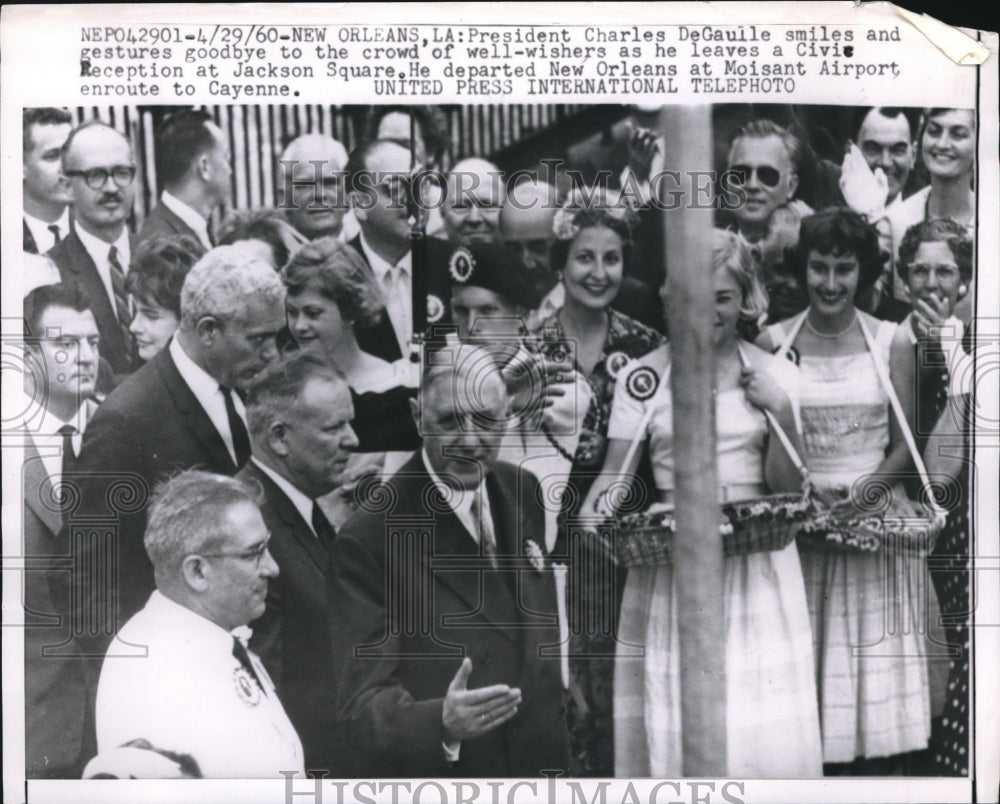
793	184
194	569
276	439
415	411
208	330
356	202
204	166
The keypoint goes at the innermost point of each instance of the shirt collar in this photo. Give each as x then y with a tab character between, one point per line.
198	631
202	384
381	267
303	504
98	249
37	224
186	213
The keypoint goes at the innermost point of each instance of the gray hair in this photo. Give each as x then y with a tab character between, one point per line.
188	516
277	388
225	282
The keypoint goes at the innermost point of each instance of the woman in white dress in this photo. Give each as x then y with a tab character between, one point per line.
867	609
771	716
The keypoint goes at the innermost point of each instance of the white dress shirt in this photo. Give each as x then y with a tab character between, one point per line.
99	249
206	390
303	504
39	229
44	428
189	694
189	215
397	293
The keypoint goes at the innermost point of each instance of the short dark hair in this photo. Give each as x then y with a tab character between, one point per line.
357	162
180	139
937	230
43	297
912	117
839	230
159	266
41	116
340	274
588	219
430	120
280	384
256	224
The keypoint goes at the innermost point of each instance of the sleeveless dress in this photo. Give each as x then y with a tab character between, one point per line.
771	715
869	610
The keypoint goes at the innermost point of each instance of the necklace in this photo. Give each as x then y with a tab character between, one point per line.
831	335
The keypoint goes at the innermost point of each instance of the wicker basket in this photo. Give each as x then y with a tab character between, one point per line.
901	528
756	525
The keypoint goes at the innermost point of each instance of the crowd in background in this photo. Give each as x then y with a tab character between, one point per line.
223	412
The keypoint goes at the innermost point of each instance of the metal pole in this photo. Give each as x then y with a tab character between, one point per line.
698	557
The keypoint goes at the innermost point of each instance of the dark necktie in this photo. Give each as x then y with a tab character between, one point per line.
241	655
325	532
238	430
67	431
54	228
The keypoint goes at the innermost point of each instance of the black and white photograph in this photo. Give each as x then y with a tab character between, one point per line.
369	450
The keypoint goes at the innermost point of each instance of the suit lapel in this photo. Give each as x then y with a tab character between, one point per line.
378	339
290	515
38	487
194	414
28	243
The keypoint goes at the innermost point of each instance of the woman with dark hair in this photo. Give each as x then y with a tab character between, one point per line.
947	146
330	290
266	230
873	684
155	278
591	253
772	723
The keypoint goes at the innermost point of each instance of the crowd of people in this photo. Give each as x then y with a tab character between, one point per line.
329	475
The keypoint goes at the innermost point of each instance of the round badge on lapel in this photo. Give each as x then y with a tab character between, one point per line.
461	264
246	687
435	309
641	383
615	362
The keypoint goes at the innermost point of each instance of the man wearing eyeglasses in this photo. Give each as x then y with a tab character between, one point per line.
381	192
300	414
100	170
197	690
762	176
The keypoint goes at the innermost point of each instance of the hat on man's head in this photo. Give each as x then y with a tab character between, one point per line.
495	268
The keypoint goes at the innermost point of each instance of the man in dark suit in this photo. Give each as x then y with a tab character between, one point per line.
379	188
194	166
179	411
46	202
61	339
300	414
97	161
442	605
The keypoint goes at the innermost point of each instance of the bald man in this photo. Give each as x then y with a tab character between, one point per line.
100	170
474	197
315	199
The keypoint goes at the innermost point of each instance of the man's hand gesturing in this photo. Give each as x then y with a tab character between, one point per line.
471	713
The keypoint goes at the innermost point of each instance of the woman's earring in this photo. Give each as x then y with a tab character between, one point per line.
962	290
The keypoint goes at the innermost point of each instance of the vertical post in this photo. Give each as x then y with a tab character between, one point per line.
418	245
698	556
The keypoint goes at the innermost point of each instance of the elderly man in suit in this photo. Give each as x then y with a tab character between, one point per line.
198	691
181	410
300	414
62	343
98	164
315	200
194	167
473	199
380	191
442	603
46	202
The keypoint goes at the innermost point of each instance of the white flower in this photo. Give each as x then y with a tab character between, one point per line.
562	224
535	555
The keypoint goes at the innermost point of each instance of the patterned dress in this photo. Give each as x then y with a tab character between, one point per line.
772	722
869	610
594	585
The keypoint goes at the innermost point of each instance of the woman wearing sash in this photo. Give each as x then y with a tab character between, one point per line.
771	716
867	608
